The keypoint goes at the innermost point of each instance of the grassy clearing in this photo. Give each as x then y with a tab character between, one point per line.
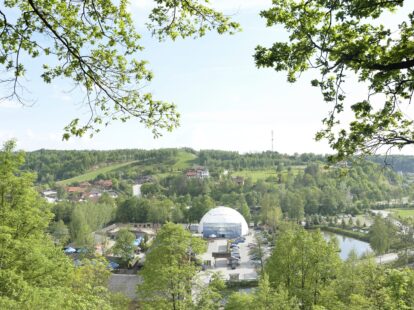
94	173
255	174
404	213
264	174
184	160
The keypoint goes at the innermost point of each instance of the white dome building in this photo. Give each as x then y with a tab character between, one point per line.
223	222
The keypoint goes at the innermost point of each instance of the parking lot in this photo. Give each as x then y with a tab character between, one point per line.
246	270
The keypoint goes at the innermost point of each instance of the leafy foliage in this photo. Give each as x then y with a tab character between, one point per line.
264	298
124	245
95	45
309	270
170	269
34	273
187	18
381	233
304	263
344	38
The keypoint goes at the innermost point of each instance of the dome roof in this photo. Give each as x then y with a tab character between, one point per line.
224	215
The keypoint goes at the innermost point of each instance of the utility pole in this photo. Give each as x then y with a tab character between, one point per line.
272	140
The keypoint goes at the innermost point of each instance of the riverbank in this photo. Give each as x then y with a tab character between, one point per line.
345	232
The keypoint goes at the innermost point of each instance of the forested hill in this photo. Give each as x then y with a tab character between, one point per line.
300	184
235	161
53	166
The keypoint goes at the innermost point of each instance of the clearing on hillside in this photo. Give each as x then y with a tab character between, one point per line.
90	175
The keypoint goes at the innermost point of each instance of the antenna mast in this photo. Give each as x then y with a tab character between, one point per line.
272	140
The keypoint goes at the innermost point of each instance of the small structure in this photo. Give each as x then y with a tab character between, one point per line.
136	228
238	180
85	184
198	172
107	184
70	250
144	179
75	189
50	195
223	222
76	193
136	190
94	193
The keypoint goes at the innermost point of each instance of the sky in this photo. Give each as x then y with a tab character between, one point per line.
225	102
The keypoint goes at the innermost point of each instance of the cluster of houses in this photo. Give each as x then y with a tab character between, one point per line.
200	172
197	173
83	191
91	191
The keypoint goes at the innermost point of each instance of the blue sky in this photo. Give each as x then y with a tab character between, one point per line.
224	100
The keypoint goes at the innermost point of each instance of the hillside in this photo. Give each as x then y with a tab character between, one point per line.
66	167
178	162
92	174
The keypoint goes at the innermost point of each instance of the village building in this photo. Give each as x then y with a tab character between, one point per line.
238	180
50	195
107	184
198	173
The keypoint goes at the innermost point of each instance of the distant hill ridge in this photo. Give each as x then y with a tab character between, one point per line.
66	167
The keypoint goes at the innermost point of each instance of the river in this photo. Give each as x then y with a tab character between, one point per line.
346	244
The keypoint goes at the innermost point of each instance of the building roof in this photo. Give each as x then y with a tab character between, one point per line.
104	183
75	189
191	173
224	215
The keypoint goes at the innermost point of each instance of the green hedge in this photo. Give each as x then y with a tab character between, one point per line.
242	284
344	232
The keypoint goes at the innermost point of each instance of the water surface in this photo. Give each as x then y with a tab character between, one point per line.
346	244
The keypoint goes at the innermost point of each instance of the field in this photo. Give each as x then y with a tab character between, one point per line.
404	213
174	166
255	174
184	160
94	173
263	174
